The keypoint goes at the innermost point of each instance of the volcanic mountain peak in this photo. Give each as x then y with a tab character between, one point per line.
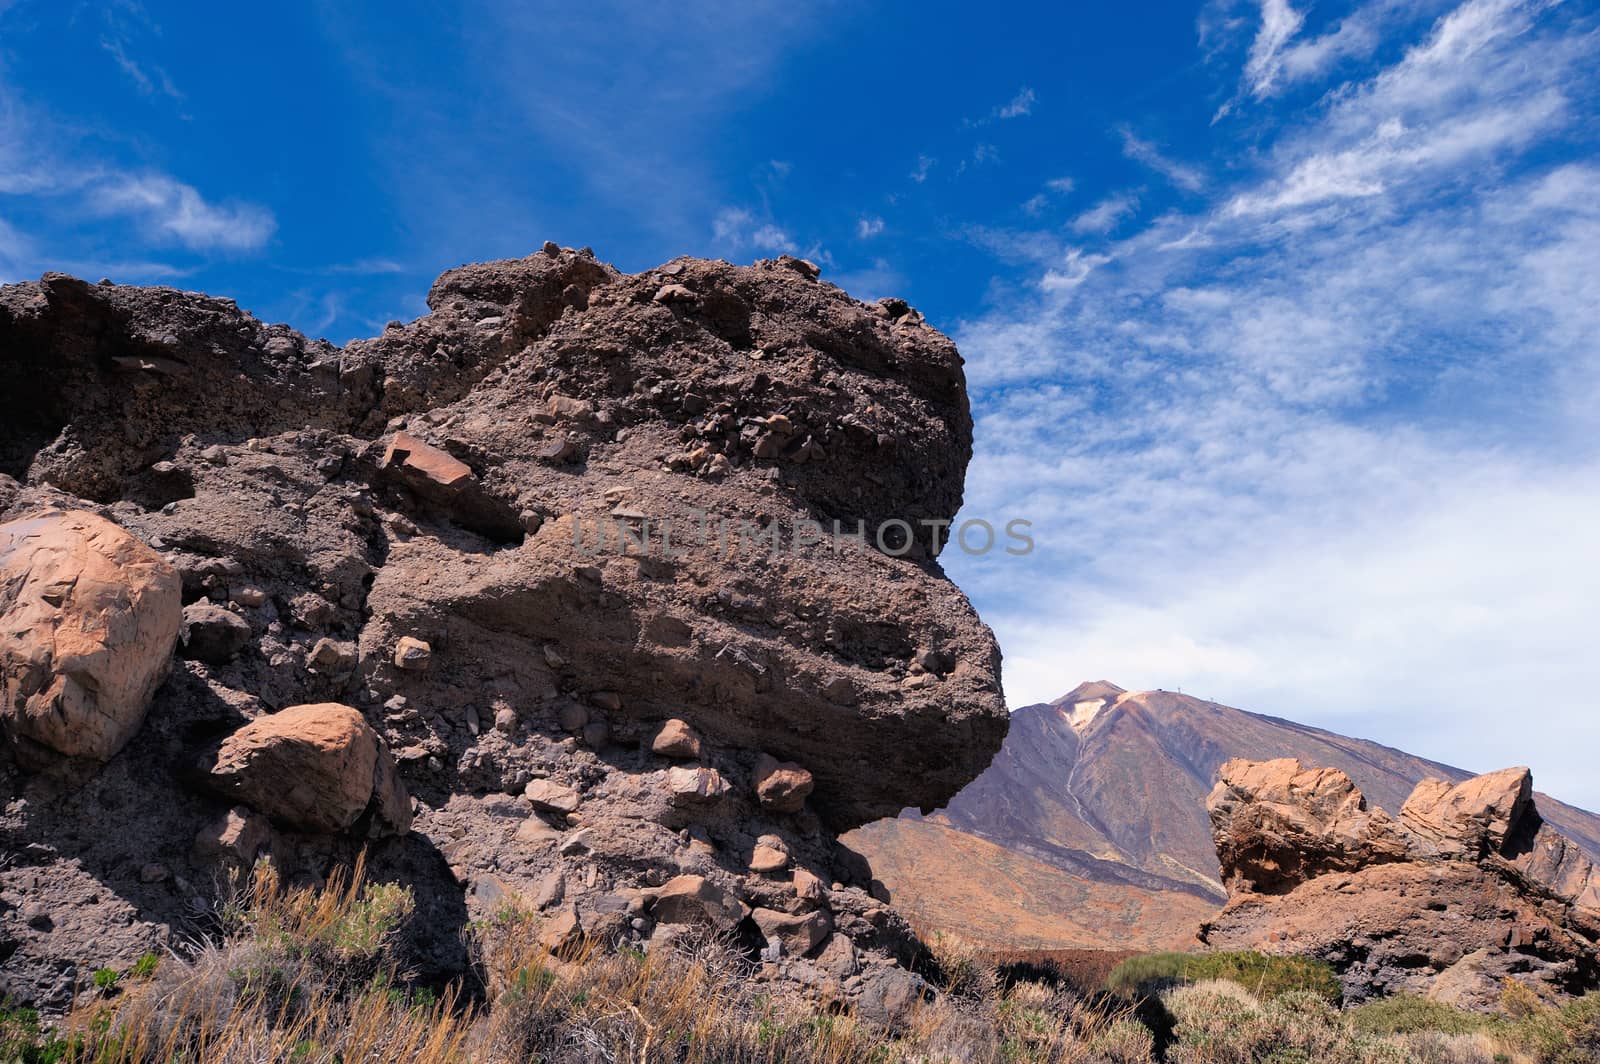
1081	706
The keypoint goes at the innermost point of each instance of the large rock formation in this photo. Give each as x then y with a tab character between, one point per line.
1468	886
563	514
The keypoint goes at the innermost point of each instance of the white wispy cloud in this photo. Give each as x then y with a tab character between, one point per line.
153	82
1056	186
1189	178
738	229
1106	215
1279	22
1019	105
868	227
1326	446
175	212
925	165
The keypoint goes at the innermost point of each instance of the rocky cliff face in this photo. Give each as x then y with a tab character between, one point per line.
547	576
1466	887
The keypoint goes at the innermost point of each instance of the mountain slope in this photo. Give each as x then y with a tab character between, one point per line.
1109	786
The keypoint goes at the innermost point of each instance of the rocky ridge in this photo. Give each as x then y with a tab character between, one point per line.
1466	887
380	571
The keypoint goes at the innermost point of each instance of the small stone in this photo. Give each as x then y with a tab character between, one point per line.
153	873
607	700
674	293
781	786
596	734
771	855
695	784
237	838
676	739
552	797
553	657
572	717
248	597
412	654
551	248
505	719
807	887
36	916
330	655
212	634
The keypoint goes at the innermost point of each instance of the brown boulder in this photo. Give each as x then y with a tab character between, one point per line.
782	786
697	900
312	768
676	739
551	797
88	619
797	933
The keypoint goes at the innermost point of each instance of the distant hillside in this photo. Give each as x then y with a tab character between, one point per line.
1104	791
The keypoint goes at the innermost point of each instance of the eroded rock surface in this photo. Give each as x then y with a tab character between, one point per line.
1469	885
410	527
88	618
314	768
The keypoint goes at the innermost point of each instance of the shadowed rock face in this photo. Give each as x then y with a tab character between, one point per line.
409	526
1467	887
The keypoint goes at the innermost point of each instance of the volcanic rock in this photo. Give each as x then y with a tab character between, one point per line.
697	900
782	786
311	768
559	486
676	739
1278	824
88	619
797	933
213	634
1469	887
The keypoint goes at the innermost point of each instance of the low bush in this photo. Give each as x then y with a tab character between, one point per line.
1264	975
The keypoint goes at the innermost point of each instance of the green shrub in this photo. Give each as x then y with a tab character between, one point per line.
1263	975
1409	1014
24	1041
1569	1034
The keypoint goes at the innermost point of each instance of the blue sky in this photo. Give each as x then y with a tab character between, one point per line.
1281	317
